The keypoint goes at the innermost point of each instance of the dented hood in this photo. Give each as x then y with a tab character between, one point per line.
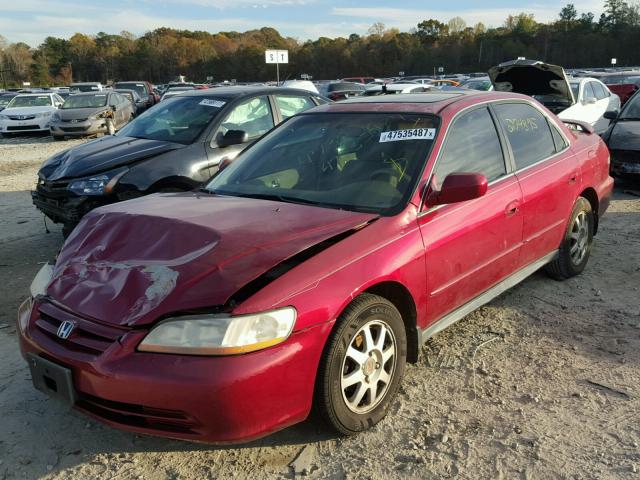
101	155
132	262
531	77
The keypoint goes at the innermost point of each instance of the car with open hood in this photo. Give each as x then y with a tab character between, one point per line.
174	146
91	113
623	139
311	269
583	99
29	112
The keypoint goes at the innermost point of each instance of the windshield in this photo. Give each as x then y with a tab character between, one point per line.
85	101
138	87
631	109
179	119
30	101
364	162
4	100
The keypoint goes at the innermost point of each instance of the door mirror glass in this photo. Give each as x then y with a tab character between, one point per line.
233	137
458	187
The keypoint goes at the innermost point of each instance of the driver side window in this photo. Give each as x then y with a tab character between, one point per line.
252	116
472	146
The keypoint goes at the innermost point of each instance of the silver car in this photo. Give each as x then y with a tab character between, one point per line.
91	113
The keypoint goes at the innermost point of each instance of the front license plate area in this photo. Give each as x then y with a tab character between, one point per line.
52	379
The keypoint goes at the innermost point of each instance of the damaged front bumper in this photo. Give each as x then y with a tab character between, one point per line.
61	207
223	399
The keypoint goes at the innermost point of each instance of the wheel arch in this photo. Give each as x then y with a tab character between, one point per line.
182	183
401	298
592	197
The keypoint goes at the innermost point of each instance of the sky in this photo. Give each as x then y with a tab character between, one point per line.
30	21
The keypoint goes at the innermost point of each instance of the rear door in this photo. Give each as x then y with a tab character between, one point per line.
548	173
471	246
289	105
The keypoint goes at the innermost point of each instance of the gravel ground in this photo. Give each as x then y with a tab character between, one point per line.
541	383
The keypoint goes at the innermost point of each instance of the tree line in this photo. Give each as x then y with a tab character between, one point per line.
575	39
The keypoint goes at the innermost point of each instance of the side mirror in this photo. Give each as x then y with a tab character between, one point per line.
611	115
590	100
233	137
458	187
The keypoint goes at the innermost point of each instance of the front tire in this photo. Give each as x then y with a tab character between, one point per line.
362	365
576	246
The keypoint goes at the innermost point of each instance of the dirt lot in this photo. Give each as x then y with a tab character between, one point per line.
544	382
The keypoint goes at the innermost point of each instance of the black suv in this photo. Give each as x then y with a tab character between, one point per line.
174	146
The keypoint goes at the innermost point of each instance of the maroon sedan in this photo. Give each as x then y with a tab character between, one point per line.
312	268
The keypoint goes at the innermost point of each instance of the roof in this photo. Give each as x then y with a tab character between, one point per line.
92	94
427	102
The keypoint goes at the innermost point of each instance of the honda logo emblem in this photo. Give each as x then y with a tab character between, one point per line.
65	329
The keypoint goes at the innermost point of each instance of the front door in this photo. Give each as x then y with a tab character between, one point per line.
253	116
471	246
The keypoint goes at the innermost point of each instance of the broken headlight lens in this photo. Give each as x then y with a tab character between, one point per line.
98	185
41	280
220	334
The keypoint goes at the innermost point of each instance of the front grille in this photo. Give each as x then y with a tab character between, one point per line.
174	421
24	127
73	129
52	189
22	117
76	120
87	337
625	156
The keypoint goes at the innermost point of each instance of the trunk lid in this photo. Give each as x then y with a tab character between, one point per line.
533	78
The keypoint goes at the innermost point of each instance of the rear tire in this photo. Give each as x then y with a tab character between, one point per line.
576	246
362	365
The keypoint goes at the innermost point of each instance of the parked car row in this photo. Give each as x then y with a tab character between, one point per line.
308	271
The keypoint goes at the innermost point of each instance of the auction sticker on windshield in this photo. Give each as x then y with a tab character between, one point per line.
212	103
410	134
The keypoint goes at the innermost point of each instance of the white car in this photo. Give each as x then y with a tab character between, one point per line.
593	100
396	87
584	99
29	112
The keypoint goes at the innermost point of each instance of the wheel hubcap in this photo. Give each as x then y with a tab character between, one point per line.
368	366
579	238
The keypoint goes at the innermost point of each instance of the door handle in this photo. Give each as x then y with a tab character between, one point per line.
512	208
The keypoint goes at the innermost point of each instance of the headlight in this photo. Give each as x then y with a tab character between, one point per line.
98	185
41	280
4	117
220	334
43	114
55	117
